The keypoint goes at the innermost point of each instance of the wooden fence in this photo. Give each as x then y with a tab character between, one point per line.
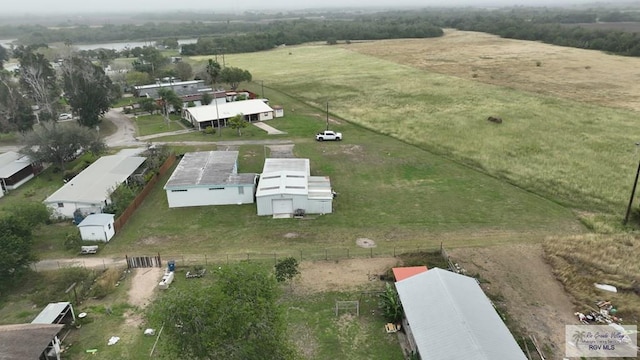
134	262
128	212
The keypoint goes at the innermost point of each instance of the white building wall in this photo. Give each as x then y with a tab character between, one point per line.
213	195
97	232
279	113
19	183
68	209
264	203
265	116
316	206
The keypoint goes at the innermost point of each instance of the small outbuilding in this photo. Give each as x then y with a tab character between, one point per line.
97	227
30	341
278	111
451	311
209	178
56	313
15	170
286	187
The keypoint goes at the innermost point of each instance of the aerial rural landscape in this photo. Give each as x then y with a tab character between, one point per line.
335	182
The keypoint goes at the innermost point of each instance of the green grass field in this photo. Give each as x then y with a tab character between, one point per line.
574	153
154	124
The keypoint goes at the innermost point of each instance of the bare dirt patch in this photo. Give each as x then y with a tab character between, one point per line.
583	75
324	118
523	282
342	275
281	151
365	243
143	284
291	235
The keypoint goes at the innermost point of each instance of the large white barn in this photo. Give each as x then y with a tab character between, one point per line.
91	189
210	115
209	178
286	185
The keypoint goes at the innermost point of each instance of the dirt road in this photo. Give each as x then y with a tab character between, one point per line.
125	133
88	262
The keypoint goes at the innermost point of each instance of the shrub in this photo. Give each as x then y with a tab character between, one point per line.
106	283
209	131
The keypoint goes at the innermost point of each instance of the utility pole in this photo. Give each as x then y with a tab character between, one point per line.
633	193
262	82
217	114
327	115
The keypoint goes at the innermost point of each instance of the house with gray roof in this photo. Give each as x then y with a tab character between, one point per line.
449	317
30	341
209	178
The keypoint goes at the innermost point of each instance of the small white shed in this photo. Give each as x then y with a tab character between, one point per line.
278	111
97	227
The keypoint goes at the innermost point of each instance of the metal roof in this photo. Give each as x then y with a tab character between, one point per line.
50	313
11	162
228	110
451	318
94	183
401	273
284	176
320	188
26	341
207	168
97	220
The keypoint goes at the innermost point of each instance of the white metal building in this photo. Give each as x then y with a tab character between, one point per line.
97	227
209	115
448	317
90	190
209	178
15	170
286	185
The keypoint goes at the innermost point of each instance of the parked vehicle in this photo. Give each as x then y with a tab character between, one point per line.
328	135
65	116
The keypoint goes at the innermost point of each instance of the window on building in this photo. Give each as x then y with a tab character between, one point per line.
241	190
216	188
60	204
179	190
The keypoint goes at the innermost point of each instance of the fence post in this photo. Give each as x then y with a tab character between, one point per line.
371	249
58	264
275	259
300	255
205	260
248	257
348	257
183	263
227	259
325	255
104	265
394	251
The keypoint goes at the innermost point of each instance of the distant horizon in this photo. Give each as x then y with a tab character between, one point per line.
82	8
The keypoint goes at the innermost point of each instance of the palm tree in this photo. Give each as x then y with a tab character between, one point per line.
169	97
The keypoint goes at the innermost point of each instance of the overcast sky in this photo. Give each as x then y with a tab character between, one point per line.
83	6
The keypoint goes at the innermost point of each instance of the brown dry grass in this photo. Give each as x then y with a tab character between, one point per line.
583	75
580	261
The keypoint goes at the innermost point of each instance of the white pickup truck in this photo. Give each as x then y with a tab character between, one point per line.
328	135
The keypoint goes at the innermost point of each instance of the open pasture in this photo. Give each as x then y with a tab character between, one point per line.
562	136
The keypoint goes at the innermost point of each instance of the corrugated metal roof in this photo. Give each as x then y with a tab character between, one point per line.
228	110
284	176
26	341
320	188
11	162
94	183
50	313
207	168
97	220
451	319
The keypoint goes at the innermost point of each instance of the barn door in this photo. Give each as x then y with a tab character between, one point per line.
282	206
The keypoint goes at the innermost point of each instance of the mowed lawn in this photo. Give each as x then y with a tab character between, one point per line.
578	154
393	193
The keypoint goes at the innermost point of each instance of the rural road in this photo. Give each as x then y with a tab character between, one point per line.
86	262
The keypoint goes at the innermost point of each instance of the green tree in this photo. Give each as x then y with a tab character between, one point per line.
88	90
148	104
238	123
206	98
150	60
168	99
237	317
136	78
234	76
16	248
183	70
39	80
213	70
286	269
57	144
4	56
15	111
